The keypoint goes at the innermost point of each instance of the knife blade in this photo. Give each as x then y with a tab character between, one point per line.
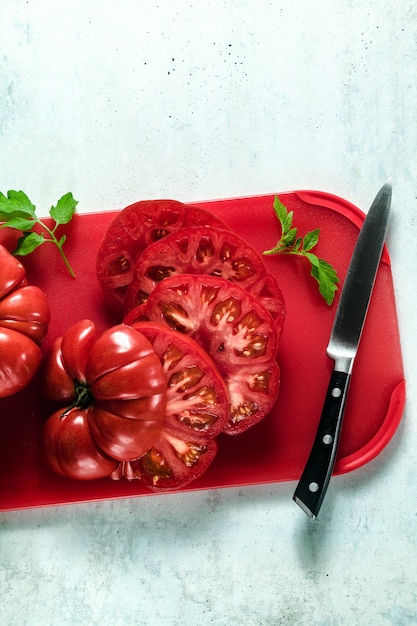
342	348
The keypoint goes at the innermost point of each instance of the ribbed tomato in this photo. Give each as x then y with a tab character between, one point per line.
24	321
236	331
117	380
197	410
131	231
69	450
205	250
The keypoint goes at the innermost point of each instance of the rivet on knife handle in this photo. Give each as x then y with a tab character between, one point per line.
342	348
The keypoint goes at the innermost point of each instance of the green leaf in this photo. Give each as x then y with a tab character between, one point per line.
17	211
325	275
311	239
285	217
19	222
16	202
289	243
288	234
64	210
289	238
28	243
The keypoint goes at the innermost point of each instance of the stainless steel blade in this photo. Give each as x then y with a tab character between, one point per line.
359	282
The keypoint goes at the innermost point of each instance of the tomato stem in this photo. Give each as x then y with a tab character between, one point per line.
83	397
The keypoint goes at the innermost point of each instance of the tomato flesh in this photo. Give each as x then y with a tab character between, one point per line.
172	462
235	330
205	250
131	231
197	398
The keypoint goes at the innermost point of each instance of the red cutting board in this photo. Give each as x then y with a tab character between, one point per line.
276	449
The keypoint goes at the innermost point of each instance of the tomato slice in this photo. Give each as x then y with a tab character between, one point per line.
205	250
172	462
197	398
131	231
236	331
138	314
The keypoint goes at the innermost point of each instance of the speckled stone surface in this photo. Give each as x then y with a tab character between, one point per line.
130	99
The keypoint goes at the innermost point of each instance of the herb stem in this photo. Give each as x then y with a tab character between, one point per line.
55	241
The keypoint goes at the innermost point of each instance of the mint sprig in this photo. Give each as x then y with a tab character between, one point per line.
290	243
17	211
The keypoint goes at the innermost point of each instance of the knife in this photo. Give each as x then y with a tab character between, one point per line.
342	348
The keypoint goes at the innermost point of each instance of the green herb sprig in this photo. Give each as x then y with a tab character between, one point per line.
290	243
17	211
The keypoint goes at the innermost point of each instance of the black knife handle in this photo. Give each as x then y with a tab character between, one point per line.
315	478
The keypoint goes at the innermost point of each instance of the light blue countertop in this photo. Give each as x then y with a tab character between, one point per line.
132	99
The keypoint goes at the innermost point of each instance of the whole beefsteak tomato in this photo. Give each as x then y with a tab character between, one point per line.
116	382
69	450
24	321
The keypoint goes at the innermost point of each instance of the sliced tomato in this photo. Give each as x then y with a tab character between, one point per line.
173	462
197	410
138	314
236	331
197	398
205	250
131	231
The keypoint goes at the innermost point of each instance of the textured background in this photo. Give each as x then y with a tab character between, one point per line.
123	100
